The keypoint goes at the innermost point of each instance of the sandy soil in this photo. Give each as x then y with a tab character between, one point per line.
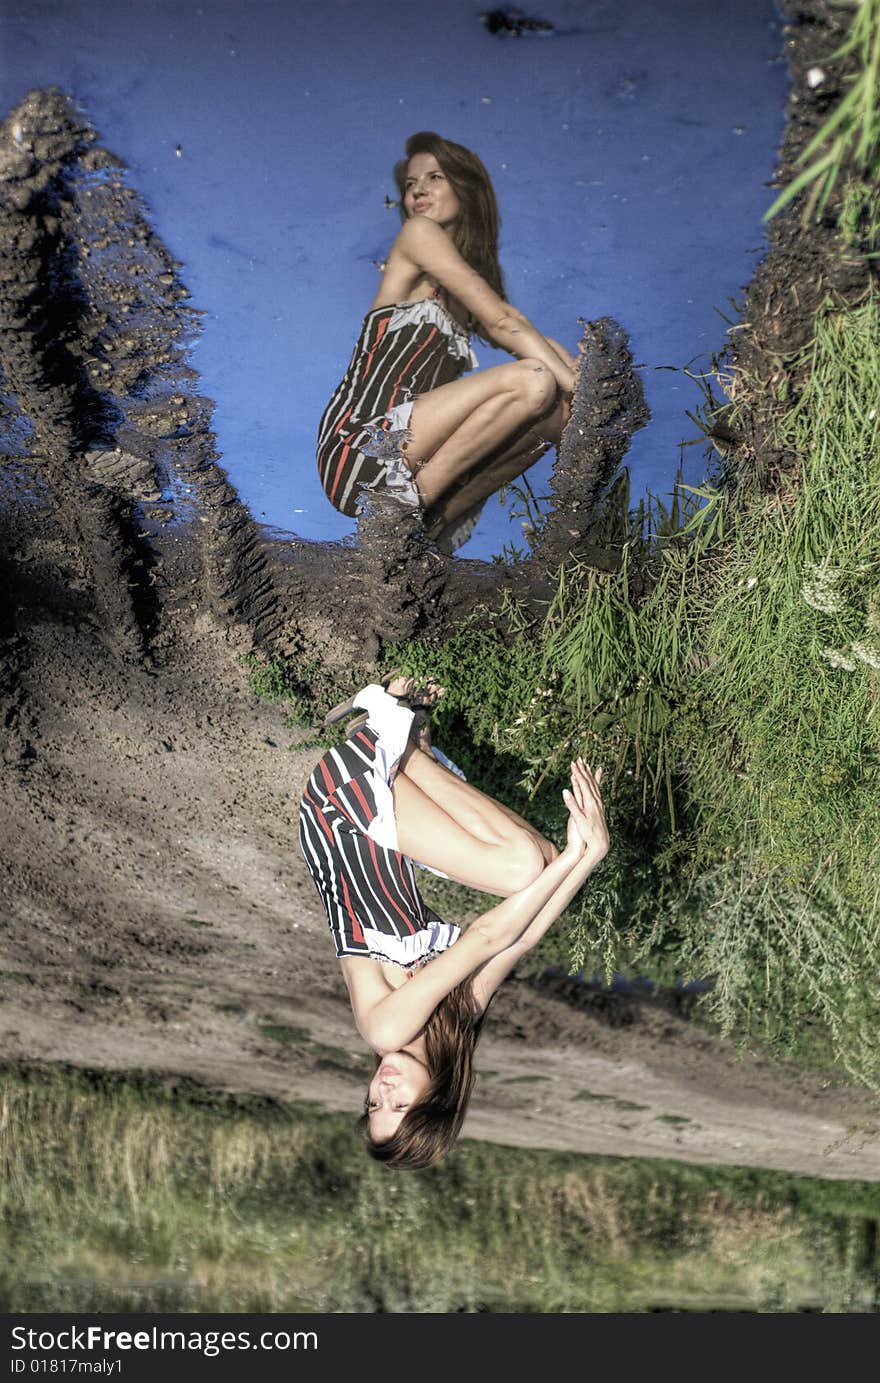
156	914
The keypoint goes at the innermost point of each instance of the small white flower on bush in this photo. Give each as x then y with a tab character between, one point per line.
837	658
820	590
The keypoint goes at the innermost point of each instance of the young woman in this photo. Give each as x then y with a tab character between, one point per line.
402	419
419	987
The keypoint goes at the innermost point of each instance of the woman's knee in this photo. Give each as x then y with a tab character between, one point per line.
536	386
549	852
524	861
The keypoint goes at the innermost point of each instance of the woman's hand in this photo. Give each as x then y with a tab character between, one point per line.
570	365
587	829
564	355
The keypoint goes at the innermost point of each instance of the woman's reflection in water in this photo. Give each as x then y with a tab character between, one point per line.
402	419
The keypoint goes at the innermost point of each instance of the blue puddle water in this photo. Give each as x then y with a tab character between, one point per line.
631	148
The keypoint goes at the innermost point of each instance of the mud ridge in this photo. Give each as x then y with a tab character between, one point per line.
607	408
805	266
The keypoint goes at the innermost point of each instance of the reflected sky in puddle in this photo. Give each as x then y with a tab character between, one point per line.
630	150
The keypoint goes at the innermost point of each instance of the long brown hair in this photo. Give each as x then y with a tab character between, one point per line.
431	1125
475	233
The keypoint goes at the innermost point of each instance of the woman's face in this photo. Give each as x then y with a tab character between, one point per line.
428	191
400	1080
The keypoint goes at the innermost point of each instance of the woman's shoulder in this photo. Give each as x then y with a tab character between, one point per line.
366	979
423	243
367	986
419	230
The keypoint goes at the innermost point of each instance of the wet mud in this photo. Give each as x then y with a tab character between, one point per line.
155	912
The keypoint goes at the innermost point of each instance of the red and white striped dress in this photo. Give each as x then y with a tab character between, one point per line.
348	836
404	349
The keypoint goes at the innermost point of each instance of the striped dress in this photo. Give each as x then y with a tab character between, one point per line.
404	349
348	836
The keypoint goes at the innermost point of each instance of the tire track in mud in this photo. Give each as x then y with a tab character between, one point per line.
95	329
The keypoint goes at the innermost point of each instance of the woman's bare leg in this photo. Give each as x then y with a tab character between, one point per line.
475	488
500	469
452	826
482	817
455	427
429	834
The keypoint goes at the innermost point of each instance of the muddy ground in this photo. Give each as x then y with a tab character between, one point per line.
156	914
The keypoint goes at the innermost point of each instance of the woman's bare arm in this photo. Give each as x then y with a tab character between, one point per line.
564	355
395	1019
495	941
587	817
431	251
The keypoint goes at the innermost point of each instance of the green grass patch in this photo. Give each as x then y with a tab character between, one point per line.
288	1037
305	690
625	1106
281	1033
524	1080
849	138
